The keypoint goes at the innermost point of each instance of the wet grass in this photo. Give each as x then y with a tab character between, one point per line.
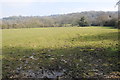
62	52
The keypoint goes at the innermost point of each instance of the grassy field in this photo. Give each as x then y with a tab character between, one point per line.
60	51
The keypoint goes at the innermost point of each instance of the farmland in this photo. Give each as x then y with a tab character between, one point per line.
63	52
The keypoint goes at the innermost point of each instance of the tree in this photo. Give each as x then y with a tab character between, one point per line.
82	22
102	18
118	3
112	23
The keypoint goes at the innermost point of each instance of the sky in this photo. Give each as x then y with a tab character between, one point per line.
51	7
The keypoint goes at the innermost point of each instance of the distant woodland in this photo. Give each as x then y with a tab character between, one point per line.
83	19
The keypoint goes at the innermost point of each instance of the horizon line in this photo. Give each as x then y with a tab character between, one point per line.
54	14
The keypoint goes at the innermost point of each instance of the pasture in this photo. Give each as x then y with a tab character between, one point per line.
80	52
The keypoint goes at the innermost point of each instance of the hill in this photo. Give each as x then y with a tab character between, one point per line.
93	18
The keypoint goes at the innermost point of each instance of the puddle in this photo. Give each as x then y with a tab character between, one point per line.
42	73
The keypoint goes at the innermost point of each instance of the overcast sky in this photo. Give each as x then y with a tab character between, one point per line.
50	7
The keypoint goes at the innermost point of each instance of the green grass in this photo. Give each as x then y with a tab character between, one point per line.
80	47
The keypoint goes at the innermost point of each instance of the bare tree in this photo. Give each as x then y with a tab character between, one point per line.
118	3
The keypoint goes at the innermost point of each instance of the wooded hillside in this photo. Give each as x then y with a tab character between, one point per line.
92	18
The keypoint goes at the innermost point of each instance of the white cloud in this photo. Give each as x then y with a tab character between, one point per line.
59	0
16	1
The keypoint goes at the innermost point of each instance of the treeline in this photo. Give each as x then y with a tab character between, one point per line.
90	18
